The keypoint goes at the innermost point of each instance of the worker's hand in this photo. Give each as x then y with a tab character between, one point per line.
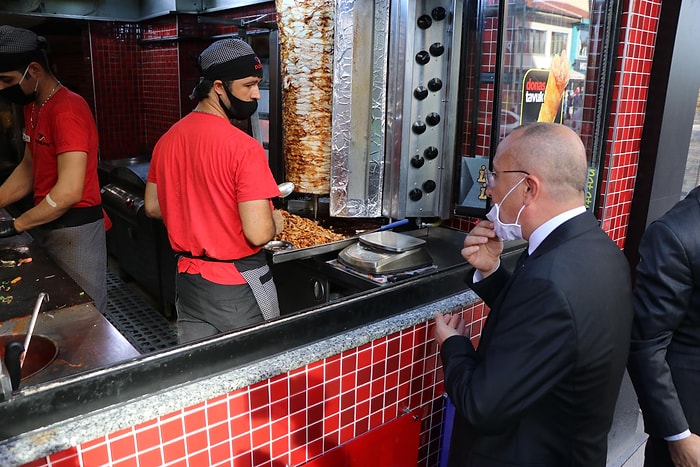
482	249
278	219
685	452
7	228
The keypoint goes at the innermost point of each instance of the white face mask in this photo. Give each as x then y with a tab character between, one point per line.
506	231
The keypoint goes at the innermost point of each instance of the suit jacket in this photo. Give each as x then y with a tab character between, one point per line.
664	362
541	388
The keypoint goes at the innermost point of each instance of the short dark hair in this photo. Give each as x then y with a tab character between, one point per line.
201	89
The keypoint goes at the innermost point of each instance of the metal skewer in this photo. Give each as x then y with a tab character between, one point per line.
32	323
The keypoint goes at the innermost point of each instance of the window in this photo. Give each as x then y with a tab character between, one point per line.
535	37
535	41
559	42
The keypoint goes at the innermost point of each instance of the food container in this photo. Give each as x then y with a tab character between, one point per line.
278	245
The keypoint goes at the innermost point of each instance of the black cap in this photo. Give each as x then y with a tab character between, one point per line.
19	47
229	59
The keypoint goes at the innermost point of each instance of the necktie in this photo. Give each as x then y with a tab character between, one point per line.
522	259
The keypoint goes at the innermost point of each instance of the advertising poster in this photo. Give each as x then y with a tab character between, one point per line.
543	91
533	99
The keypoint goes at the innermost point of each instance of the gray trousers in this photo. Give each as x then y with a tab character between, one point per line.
81	252
205	308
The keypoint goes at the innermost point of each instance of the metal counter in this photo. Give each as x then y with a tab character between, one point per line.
25	272
70	336
84	340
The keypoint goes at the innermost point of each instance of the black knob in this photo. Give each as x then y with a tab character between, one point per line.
435	84
417	161
432	119
437	49
318	290
429	186
431	152
424	22
415	194
438	13
422	57
420	93
419	128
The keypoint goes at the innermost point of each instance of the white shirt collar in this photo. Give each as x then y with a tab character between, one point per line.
541	232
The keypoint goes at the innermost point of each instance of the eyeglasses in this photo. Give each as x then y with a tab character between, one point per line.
492	174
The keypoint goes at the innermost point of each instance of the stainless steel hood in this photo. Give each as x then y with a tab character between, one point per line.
25	12
29	13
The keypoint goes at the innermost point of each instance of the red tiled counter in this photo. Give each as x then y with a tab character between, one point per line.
283	410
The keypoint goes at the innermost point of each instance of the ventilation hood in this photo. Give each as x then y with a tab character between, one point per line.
28	13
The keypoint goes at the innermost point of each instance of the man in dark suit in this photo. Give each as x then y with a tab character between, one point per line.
541	387
664	362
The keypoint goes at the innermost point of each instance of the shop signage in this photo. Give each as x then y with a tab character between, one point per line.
533	98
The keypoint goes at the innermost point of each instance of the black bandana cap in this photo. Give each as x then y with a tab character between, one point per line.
228	60
19	47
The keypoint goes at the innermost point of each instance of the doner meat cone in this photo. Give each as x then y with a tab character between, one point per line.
306	31
556	84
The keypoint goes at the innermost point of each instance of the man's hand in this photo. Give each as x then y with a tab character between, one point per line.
278	219
448	325
482	249
685	452
7	228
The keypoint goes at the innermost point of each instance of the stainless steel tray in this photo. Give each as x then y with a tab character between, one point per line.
300	253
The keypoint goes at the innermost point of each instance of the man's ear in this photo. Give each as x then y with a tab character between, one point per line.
34	70
532	188
218	87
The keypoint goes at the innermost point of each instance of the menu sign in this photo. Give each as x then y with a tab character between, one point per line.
533	98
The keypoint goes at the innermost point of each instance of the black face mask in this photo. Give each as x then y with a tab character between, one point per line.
15	94
239	109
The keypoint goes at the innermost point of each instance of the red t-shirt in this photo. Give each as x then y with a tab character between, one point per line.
203	167
64	124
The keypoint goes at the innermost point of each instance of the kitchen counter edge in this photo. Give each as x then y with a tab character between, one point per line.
71	432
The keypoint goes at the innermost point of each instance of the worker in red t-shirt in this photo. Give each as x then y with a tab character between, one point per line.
59	165
211	184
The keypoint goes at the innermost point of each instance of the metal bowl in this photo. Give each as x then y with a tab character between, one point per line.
278	245
41	352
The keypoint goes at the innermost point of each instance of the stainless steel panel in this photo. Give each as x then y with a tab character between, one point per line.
384	51
420	156
301	253
359	104
84	338
127	10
